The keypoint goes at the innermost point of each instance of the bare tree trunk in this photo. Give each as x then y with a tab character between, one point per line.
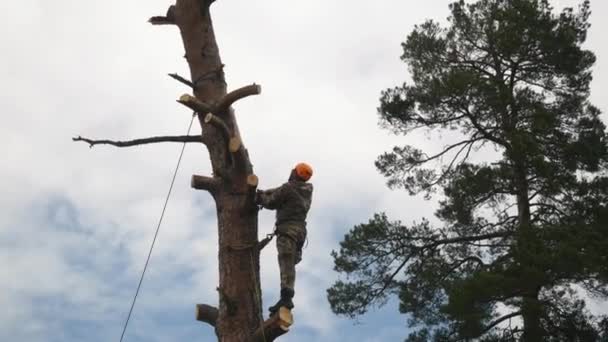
232	185
239	287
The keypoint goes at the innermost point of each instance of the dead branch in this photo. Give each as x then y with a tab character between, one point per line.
252	185
168	19
235	95
207	314
277	325
182	80
143	141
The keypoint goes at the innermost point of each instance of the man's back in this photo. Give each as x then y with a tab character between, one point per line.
297	198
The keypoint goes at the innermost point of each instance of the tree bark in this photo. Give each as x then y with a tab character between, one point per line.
239	314
527	240
233	184
531	316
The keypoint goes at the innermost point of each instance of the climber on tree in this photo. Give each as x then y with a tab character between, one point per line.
292	202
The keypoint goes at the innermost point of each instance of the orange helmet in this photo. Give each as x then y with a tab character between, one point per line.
304	171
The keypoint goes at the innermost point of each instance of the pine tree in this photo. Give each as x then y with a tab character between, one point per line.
238	315
523	239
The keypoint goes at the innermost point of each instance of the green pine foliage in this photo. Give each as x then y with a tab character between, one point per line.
524	238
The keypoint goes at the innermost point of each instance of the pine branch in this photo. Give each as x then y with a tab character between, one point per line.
500	320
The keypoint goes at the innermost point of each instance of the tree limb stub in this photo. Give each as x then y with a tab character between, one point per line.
277	325
195	104
219	124
235	95
223	104
252	185
204	183
143	141
207	314
168	19
252	181
234	144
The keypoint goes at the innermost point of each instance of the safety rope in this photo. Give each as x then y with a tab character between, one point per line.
160	220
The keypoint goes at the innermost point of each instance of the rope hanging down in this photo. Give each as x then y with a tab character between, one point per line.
160	220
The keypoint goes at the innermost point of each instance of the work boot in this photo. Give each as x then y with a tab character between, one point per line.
286	296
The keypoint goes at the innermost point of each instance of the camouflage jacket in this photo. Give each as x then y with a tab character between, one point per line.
291	200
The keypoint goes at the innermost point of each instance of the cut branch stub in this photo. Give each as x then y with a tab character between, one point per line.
168	19
224	103
252	185
235	95
207	313
277	325
234	145
204	183
220	124
252	181
195	104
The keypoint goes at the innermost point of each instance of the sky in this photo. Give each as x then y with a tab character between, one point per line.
77	223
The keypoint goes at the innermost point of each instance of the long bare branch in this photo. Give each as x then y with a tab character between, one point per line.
143	141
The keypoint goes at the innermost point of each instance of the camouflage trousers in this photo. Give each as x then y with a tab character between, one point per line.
290	240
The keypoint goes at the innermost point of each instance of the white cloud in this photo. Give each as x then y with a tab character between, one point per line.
97	69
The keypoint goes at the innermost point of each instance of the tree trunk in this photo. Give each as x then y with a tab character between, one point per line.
531	315
233	184
527	242
239	281
240	311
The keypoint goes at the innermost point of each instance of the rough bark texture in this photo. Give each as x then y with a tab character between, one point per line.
239	287
233	184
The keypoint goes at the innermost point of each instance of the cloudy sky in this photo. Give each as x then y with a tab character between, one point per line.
77	223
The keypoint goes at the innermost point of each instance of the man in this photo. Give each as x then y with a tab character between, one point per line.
292	202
